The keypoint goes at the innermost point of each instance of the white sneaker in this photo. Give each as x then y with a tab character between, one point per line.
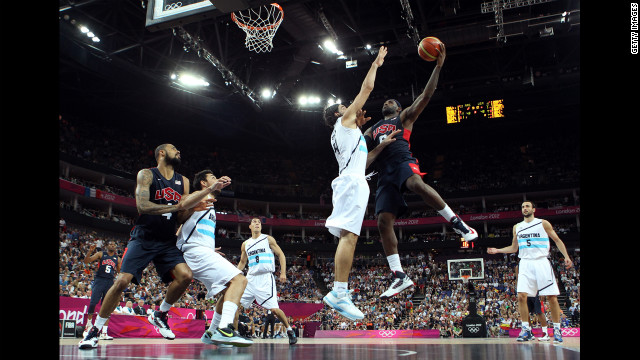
464	230
104	336
397	286
341	302
159	320
544	338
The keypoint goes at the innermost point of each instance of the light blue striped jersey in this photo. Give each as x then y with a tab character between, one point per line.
199	229
260	257
533	240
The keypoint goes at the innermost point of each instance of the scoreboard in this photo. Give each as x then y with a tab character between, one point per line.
482	109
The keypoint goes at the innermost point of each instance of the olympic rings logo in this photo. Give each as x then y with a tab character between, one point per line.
173	6
387	333
473	329
570	332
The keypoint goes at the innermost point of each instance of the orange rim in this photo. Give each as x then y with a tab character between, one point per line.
262	28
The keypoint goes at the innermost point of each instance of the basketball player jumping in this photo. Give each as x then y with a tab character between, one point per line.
350	188
108	265
398	171
259	253
196	240
163	201
535	273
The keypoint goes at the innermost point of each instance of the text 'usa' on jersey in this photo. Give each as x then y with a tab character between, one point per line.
165	192
397	151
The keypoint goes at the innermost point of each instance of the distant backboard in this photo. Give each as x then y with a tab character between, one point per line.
472	267
165	14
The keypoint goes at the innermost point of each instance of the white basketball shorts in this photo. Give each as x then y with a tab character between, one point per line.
209	267
350	197
536	275
262	289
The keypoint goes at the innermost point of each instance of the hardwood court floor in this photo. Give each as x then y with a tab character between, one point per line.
332	349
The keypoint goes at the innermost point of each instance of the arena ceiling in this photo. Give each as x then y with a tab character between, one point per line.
132	63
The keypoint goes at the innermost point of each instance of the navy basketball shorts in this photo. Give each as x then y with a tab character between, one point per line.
138	254
391	185
534	305
99	289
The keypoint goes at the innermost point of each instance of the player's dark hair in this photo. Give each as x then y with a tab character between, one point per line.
329	115
533	205
201	176
157	151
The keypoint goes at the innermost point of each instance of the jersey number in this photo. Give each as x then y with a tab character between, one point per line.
257	259
528	242
107	269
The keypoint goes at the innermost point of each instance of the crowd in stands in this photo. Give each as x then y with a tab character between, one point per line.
433	303
309	175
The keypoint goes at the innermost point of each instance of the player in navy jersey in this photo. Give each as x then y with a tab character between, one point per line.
398	170
163	202
108	265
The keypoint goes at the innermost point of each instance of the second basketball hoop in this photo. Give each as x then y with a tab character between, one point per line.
260	25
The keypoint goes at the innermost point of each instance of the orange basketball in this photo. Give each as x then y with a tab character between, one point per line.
427	48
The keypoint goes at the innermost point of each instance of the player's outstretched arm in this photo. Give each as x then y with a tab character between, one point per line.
410	114
349	117
509	249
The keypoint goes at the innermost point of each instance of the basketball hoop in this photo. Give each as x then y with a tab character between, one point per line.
260	26
465	278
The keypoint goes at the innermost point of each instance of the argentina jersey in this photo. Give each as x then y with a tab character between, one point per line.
533	240
350	149
199	229
260	258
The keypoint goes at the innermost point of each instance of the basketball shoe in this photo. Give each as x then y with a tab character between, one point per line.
461	228
557	336
292	337
91	340
545	337
400	282
226	336
525	335
160	320
342	303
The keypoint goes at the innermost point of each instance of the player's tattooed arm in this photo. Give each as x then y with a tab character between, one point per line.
143	204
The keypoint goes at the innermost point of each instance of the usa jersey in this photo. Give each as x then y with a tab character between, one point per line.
199	229
259	254
108	266
396	152
350	149
162	227
533	240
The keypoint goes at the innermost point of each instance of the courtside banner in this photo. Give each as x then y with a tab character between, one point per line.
566	332
384	334
134	326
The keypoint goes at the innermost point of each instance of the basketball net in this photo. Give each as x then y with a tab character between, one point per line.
260	26
465	278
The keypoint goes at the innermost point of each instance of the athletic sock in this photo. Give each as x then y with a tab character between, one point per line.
544	330
229	309
99	323
340	287
165	306
447	213
556	326
394	262
525	325
215	321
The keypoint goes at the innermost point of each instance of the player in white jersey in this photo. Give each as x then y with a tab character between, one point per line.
259	252
196	240
535	273
350	188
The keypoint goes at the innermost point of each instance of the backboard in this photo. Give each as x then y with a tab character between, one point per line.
472	267
165	14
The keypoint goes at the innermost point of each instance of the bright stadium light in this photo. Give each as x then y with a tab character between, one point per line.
192	81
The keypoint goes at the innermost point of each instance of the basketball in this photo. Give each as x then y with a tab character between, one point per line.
427	48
